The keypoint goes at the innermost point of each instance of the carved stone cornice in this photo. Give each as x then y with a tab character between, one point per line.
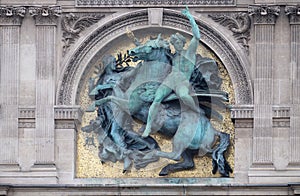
293	12
243	116
28	112
12	15
156	3
68	113
67	117
45	15
264	14
238	23
73	25
281	112
26	117
281	116
242	112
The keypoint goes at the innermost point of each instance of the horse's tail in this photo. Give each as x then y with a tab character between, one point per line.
218	160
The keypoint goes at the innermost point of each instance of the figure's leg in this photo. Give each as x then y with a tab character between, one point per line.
182	92
160	94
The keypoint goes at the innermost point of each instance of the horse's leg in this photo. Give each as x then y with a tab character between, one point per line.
187	163
178	148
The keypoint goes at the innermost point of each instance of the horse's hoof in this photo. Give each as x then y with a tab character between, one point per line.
225	175
163	173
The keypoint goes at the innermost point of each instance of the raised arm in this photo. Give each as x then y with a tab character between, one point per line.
191	51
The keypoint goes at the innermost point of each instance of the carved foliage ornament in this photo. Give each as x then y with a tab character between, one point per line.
45	14
73	24
238	23
294	14
145	3
264	14
12	15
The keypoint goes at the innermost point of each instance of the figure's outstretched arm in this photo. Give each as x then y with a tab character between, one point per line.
195	28
191	51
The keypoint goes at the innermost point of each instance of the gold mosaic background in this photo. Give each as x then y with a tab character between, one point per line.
88	164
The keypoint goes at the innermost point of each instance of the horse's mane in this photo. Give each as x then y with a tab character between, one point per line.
158	43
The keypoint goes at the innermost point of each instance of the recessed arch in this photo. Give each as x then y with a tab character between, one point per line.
111	28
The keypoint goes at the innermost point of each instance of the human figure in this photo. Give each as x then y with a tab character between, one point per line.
178	80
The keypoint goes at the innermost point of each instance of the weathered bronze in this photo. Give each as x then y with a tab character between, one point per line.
172	94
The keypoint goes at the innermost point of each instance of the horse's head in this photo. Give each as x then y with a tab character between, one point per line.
153	49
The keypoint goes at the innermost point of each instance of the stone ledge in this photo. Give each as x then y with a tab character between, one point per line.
9	168
66	117
246	112
179	189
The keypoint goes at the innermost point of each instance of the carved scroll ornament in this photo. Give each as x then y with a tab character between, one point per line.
239	24
73	25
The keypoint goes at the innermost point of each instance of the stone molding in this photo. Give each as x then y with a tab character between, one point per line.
67	117
68	113
281	116
239	24
45	15
64	116
281	112
293	12
204	187
264	14
73	24
12	15
242	112
139	19
26	117
243	116
27	112
153	3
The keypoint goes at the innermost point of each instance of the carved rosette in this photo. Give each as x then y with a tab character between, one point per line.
239	24
293	12
12	15
264	14
73	25
45	15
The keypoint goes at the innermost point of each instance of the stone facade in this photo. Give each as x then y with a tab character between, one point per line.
44	58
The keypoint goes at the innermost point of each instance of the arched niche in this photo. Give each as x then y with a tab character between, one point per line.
100	36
